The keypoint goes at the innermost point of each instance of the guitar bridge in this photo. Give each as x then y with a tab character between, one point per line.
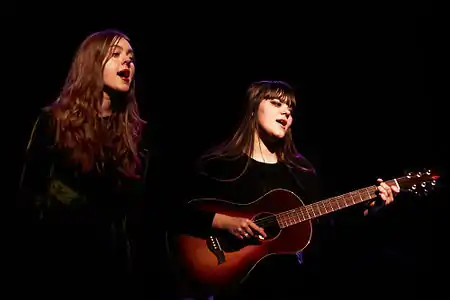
214	246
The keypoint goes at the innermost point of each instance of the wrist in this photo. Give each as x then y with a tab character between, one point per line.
218	221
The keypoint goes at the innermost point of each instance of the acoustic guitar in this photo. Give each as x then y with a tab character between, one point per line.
219	260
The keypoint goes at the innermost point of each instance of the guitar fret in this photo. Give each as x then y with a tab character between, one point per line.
323	207
317	209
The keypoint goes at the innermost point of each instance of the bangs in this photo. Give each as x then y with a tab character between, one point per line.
283	95
267	90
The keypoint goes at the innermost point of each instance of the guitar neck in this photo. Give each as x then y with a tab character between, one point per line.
320	208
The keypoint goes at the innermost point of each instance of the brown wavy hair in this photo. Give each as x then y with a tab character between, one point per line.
243	141
79	128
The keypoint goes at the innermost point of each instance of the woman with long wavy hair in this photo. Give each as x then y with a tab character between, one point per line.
83	168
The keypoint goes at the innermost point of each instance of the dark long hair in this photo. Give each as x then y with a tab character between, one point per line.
243	140
76	111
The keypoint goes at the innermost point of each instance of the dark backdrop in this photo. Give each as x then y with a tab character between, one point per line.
364	76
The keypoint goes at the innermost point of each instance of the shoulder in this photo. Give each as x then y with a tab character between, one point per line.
45	119
307	175
43	129
307	178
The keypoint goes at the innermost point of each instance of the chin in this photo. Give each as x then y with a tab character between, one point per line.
122	89
278	136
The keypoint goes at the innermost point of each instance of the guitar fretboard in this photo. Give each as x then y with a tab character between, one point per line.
320	208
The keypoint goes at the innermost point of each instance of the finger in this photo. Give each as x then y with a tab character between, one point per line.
381	190
247	231
238	233
382	194
387	188
395	188
383	187
242	233
386	197
389	192
258	229
245	226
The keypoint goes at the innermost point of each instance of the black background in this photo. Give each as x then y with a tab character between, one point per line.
364	74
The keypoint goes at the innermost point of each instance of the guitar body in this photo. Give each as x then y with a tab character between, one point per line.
221	260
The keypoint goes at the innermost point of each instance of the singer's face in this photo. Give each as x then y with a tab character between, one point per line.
119	68
274	117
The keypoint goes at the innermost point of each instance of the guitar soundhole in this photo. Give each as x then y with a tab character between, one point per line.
230	243
269	223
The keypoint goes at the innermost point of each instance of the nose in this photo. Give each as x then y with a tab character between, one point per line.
286	113
127	61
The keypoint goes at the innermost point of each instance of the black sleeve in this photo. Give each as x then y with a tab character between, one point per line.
28	242
188	218
36	166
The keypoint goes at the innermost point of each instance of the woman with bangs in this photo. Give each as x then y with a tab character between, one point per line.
83	169
260	157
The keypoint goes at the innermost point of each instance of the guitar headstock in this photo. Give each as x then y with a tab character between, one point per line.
418	182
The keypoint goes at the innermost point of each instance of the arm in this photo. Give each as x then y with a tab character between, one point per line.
29	242
35	170
188	218
192	220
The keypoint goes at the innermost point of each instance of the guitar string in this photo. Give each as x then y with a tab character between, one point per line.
307	210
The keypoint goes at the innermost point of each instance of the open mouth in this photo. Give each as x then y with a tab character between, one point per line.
124	74
282	122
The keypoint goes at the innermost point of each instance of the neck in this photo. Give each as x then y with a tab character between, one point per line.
113	101
105	108
263	153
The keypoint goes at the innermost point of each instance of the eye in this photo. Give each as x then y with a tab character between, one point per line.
276	103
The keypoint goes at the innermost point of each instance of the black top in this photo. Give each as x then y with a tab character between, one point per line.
72	222
223	178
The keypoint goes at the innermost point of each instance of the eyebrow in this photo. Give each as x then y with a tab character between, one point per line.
121	48
291	105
